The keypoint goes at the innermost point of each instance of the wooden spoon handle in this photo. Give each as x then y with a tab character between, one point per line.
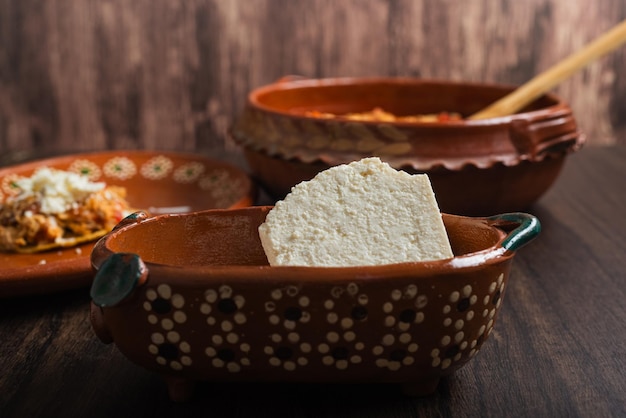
543	82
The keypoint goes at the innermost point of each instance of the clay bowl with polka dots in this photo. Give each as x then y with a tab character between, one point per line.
477	167
192	298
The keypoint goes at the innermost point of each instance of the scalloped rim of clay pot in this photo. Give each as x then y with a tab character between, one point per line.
539	133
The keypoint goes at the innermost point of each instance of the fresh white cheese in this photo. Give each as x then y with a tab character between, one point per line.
362	213
57	190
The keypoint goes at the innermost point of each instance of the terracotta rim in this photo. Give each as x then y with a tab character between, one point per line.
548	132
475	260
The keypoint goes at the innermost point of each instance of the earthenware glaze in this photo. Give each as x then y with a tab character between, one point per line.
477	167
192	297
155	181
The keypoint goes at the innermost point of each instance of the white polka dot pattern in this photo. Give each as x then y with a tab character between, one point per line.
342	330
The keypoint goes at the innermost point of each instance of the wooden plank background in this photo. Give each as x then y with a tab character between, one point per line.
106	74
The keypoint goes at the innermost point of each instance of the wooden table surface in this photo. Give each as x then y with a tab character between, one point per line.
558	349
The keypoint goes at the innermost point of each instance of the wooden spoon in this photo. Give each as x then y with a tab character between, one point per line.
543	82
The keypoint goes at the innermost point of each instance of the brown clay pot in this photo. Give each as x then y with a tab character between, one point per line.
192	297
477	167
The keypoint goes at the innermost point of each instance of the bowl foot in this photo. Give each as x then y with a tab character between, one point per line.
179	389
422	388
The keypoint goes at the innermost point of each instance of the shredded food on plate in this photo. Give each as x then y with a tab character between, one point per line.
56	208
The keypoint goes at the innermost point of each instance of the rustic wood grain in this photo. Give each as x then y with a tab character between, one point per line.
100	74
557	350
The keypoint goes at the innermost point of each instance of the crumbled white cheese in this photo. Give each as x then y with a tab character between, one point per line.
57	190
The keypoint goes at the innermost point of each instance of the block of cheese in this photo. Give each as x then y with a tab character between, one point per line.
357	214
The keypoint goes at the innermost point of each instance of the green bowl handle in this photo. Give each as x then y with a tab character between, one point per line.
528	227
117	278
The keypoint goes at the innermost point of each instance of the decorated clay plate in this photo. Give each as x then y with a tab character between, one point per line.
158	182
